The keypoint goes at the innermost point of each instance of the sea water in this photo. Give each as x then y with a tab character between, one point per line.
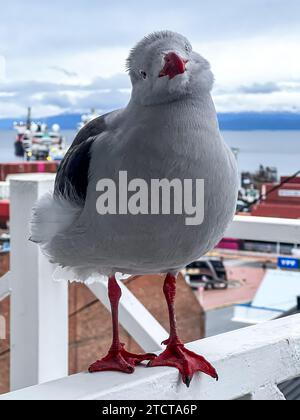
269	148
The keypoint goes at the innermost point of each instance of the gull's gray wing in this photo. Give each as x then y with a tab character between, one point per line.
72	175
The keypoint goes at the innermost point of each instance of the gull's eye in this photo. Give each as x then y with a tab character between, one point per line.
143	74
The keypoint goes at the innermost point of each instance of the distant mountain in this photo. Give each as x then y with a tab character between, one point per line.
245	121
248	121
66	121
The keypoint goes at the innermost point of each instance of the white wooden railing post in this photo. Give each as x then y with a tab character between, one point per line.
39	307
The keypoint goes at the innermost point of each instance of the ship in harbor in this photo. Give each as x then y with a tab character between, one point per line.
251	185
34	141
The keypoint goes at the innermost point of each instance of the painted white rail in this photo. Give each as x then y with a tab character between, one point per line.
251	363
266	229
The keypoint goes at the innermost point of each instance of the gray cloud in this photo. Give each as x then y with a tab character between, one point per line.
110	93
31	87
66	25
37	36
261	88
58	100
101	93
118	81
111	99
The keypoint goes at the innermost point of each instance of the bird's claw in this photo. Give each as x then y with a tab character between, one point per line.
120	360
187	380
187	362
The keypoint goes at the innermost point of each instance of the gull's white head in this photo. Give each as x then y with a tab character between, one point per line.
164	68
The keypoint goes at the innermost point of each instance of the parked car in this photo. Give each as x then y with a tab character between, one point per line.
208	272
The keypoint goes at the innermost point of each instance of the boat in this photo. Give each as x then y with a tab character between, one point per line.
46	145
34	141
261	176
251	185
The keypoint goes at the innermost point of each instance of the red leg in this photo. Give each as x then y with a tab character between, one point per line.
118	359
176	355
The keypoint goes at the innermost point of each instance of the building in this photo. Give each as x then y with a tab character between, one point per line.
283	202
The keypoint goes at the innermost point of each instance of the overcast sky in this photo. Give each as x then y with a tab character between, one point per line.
68	56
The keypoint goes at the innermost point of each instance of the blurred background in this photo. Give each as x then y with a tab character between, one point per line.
62	63
66	60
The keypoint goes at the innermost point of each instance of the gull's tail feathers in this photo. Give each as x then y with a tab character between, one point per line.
51	215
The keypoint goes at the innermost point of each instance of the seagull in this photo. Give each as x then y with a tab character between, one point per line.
168	131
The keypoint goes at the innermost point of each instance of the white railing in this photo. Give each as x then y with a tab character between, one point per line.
251	362
39	307
266	229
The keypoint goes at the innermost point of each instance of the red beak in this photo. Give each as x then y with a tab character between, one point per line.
174	65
